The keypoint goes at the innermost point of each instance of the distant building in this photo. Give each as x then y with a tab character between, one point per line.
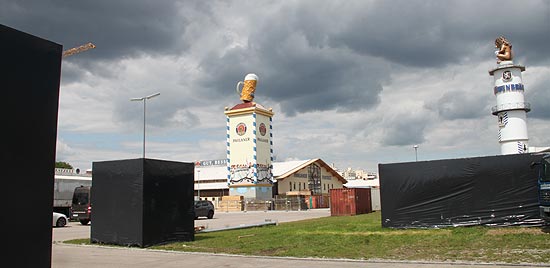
311	177
308	177
358	174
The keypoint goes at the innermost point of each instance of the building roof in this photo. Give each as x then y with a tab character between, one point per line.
289	168
248	107
283	168
245	105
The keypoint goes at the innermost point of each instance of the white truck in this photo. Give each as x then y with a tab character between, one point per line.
66	180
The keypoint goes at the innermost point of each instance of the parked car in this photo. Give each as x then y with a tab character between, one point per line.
59	220
81	208
204	208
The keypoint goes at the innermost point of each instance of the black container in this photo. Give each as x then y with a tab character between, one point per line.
30	70
493	191
142	202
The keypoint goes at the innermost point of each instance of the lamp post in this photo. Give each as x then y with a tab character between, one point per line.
415	152
198	185
144	99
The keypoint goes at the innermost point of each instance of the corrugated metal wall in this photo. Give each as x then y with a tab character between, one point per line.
349	202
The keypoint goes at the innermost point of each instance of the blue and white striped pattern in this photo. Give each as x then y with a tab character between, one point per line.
504	118
271	146
499	135
228	152
255	166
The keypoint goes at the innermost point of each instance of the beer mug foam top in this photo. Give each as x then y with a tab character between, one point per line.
249	86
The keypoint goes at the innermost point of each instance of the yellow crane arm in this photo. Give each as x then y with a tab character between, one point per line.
79	49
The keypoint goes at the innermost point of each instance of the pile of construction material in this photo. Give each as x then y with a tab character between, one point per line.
230	203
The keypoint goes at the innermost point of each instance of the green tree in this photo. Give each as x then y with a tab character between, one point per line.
63	165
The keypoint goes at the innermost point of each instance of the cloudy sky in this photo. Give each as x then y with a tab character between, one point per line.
355	83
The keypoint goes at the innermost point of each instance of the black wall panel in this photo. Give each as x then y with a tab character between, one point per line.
142	202
30	69
494	190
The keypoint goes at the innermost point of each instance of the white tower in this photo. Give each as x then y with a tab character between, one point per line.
511	108
249	145
249	151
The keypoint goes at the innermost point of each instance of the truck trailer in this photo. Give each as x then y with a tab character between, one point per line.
65	183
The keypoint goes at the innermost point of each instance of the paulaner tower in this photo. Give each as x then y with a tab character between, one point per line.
511	109
249	145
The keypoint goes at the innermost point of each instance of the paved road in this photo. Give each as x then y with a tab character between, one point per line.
65	255
101	257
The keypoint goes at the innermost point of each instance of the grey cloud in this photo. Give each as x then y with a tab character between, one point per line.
300	84
326	45
437	33
458	105
539	96
118	28
310	57
405	130
164	111
300	75
414	33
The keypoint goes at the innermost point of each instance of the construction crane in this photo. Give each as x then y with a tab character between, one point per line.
75	50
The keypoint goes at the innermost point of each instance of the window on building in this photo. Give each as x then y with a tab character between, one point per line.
290	186
294	185
299	186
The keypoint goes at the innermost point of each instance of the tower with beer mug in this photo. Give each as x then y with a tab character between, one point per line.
249	145
511	109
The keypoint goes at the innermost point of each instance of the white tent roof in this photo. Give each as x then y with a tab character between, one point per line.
362	183
210	173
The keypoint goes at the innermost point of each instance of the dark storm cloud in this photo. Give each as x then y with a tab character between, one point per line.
309	56
436	33
300	82
296	70
118	28
319	58
458	105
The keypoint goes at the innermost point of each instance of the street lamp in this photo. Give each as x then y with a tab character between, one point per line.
198	186
415	152
144	99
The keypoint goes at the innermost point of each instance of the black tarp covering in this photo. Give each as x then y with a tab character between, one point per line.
142	202
494	190
30	69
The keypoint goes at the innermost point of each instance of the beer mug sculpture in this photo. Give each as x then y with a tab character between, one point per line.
249	86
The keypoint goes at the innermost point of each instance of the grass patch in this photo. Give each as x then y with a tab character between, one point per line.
362	237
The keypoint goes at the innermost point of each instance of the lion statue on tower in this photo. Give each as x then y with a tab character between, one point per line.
504	49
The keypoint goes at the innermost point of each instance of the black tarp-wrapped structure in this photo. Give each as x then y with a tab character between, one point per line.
30	72
493	191
142	202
